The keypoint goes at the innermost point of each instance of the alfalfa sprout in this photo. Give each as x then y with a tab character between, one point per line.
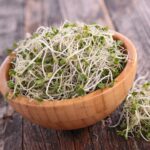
67	61
134	118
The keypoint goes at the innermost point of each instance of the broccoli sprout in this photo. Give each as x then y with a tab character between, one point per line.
135	116
65	62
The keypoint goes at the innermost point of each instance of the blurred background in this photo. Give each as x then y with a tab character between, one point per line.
130	17
20	16
17	17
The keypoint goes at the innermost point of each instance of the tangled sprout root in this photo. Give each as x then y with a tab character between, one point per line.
135	116
65	62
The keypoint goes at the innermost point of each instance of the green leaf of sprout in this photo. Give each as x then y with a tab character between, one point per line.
116	61
35	35
119	43
70	25
62	61
105	28
82	77
40	82
11	84
80	91
55	30
134	93
50	74
12	72
101	85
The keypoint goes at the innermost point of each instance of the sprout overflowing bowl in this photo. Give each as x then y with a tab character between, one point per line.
134	119
56	63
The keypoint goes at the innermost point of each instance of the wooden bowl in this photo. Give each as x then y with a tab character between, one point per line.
77	112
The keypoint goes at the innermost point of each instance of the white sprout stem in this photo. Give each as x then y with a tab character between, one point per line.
44	73
47	88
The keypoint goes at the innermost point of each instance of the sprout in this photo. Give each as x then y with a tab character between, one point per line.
67	61
135	116
11	84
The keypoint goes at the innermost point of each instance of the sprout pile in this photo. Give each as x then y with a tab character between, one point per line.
64	62
135	116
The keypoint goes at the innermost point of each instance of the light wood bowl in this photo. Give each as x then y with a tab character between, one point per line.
77	112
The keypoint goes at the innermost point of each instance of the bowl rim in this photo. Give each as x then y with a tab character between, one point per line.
132	59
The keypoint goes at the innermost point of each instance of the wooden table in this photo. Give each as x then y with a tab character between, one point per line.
130	17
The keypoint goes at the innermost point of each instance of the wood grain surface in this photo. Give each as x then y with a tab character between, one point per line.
130	17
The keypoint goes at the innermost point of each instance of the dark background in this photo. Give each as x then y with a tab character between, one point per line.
130	17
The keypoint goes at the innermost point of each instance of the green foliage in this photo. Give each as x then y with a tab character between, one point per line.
11	84
35	35
102	40
101	85
119	43
12	73
82	77
146	85
105	28
62	61
40	82
80	91
69	25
